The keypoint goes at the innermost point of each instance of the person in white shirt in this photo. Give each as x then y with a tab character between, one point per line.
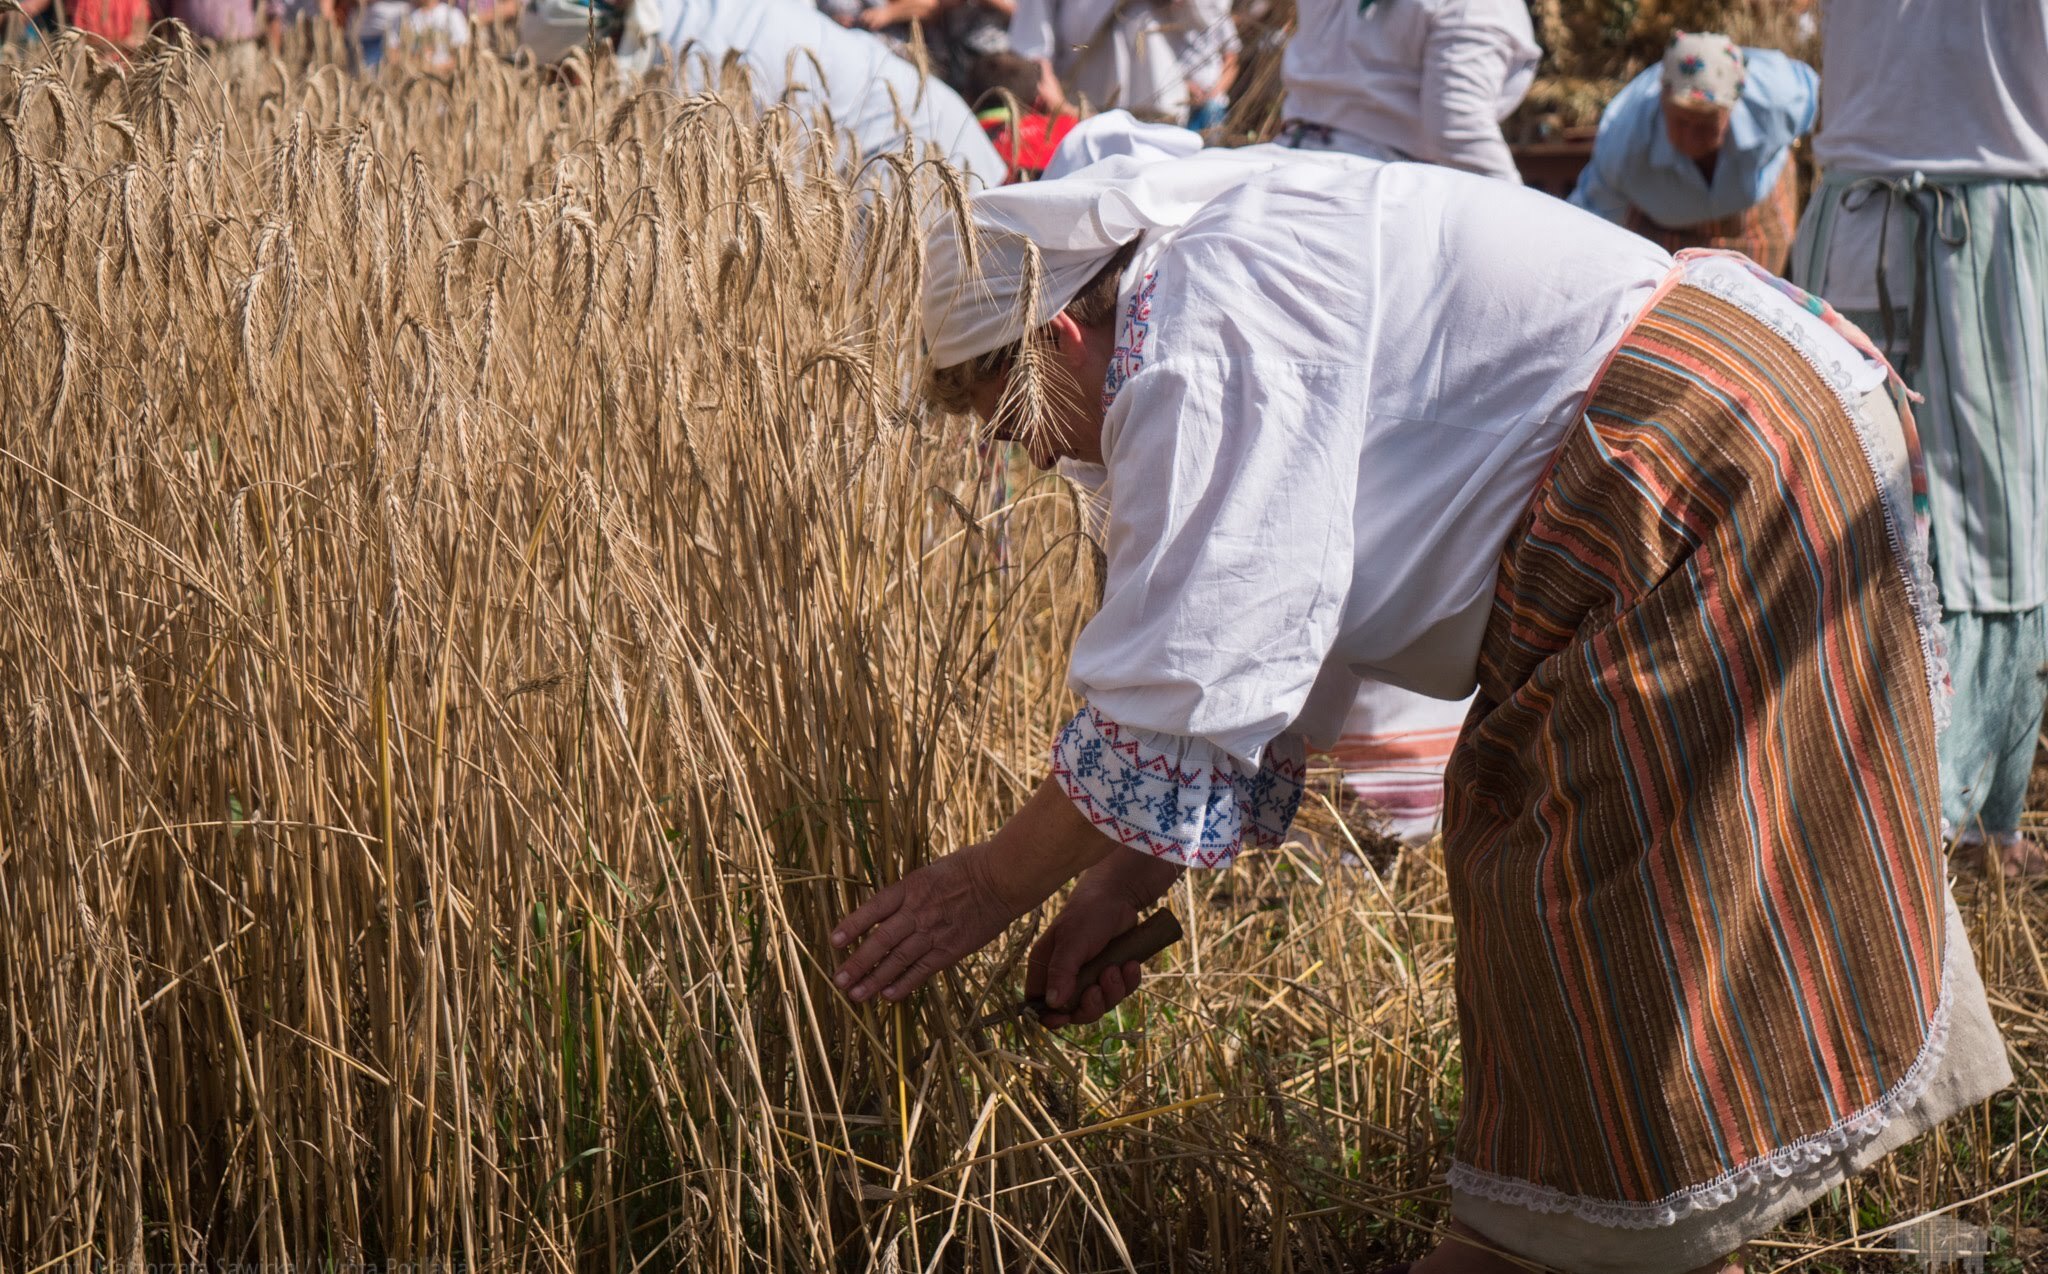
431	34
1137	55
792	53
1206	44
1409	79
1930	225
1360	418
374	27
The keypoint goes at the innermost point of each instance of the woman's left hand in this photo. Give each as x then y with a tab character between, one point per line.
929	920
951	908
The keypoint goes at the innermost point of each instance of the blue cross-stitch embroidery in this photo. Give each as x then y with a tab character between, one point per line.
1168	804
1088	758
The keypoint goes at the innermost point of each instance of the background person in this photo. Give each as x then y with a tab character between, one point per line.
1113	53
375	30
1205	43
1360	415
955	32
1004	91
962	32
41	16
1409	79
117	26
1930	226
230	24
890	19
1697	152
432	34
489	16
280	16
792	54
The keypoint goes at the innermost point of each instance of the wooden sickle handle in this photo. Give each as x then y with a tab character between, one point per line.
1150	936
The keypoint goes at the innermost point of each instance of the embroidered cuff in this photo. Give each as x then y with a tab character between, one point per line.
1177	798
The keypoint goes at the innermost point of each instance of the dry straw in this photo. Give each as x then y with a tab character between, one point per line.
478	596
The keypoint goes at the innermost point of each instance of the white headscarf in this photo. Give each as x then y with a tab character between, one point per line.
1059	233
1118	133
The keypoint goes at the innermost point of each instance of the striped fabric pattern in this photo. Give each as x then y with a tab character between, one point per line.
1393	751
1763	232
1983	366
1693	828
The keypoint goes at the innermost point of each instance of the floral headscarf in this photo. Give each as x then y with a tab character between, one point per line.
1704	70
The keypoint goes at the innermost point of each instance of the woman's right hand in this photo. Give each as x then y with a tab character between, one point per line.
1103	906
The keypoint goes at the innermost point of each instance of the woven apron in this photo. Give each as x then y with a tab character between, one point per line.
1692	825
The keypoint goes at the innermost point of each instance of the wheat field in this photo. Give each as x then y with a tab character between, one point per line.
479	594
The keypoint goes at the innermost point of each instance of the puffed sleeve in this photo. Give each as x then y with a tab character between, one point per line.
1174	797
1596	196
1784	93
1465	72
1597	191
1225	581
1230	547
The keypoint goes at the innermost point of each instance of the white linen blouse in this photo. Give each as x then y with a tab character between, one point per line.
1333	393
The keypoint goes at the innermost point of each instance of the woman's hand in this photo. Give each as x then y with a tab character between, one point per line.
934	917
1103	905
947	910
1091	918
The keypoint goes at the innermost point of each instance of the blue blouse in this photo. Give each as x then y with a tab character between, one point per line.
1634	163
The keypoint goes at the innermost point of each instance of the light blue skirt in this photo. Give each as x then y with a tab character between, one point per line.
1952	278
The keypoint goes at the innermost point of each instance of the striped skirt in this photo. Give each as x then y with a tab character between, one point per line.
1762	232
1693	826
